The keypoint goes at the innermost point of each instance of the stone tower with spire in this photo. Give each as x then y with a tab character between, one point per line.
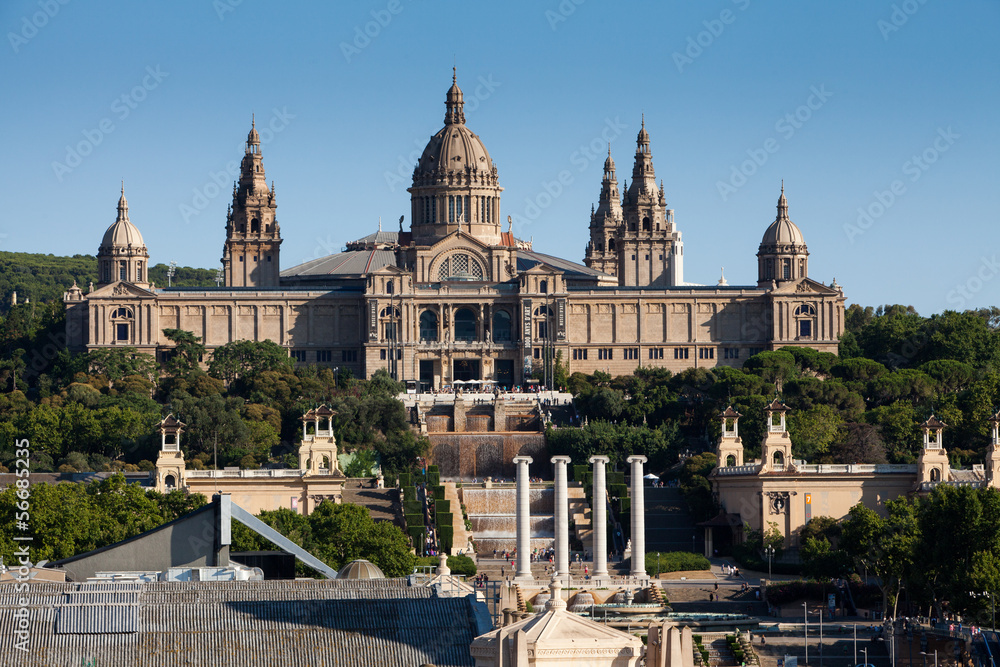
605	223
649	248
122	255
253	237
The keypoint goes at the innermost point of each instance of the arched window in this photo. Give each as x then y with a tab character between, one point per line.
779	460
255	226
645	224
786	269
460	266
543	286
122	270
388	287
611	245
465	324
935	475
730	460
805	310
501	326
121	323
428	325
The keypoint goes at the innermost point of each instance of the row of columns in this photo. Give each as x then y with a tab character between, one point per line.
599	517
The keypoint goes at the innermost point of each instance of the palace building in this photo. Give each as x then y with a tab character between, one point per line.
457	297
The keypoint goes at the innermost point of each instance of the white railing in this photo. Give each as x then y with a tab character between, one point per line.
738	470
857	468
285	472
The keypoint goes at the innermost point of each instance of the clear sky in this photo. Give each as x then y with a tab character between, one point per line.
880	116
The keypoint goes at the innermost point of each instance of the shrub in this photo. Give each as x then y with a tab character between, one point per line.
443	519
405	479
409	494
412	507
438	492
446	535
675	561
442	506
414	520
459	565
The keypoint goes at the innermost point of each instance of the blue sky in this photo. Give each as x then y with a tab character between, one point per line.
880	116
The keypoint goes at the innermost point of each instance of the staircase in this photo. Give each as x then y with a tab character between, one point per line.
693	599
383	504
654	594
520	598
669	524
719	653
460	541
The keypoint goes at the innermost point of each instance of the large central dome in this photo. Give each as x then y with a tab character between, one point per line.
455	184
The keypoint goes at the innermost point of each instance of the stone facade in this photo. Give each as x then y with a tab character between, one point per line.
458	298
788	493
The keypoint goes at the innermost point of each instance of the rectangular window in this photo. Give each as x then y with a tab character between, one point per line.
348	356
680	353
324	356
122	272
543	330
731	352
605	353
656	353
241	258
580	354
269	258
383	354
458	207
538	352
805	328
121	332
631	353
786	269
706	353
299	356
451	208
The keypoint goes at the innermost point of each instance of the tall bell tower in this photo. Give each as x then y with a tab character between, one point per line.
605	223
253	237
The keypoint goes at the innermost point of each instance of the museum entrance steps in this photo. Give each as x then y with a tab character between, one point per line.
669	524
383	504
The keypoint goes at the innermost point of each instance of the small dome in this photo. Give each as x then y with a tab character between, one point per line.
782	231
122	233
253	137
454	149
360	569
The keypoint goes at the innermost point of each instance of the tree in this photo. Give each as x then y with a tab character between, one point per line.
857	443
243	358
884	547
777	367
115	363
187	353
343	533
813	431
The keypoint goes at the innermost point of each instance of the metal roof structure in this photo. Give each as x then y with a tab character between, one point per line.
346	623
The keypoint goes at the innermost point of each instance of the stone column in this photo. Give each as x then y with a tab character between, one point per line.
523	572
561	515
600	517
638	514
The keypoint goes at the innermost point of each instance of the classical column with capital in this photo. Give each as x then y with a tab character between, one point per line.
561	515
600	517
638	513
523	572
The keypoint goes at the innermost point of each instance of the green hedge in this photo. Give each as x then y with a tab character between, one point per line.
417	534
443	519
675	561
618	490
414	520
445	536
409	494
614	478
433	478
580	473
624	505
405	479
442	506
461	565
413	507
438	492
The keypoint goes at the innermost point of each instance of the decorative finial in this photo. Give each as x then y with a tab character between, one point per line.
401	224
123	186
454	74
253	120
380	223
510	224
643	120
609	149
782	186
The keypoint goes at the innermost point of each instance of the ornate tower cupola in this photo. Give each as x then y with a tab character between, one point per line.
170	463
782	255
776	450
993	452
730	447
605	223
933	466
650	251
122	255
250	257
455	184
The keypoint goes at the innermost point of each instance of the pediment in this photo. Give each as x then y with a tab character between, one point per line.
120	289
805	286
457	240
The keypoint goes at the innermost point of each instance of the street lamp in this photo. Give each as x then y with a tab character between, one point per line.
865	651
769	551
